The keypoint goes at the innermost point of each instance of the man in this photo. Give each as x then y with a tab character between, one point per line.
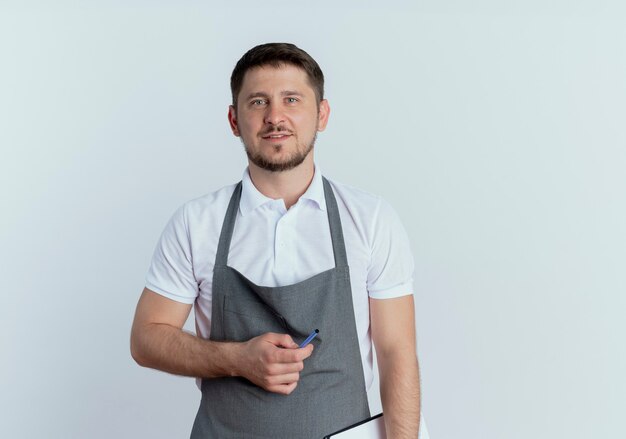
271	259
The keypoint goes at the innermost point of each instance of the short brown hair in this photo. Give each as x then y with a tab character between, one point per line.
276	55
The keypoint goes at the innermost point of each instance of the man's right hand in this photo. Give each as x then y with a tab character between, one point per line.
273	362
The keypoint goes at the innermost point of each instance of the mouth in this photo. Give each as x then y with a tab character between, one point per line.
276	137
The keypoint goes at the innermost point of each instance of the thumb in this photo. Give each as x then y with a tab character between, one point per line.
281	340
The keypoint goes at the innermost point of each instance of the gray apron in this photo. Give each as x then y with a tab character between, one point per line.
331	392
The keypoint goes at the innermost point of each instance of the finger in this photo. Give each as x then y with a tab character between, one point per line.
306	351
283	389
291	355
284	356
284	368
283	379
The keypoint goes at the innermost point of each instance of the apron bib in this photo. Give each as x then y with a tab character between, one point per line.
331	391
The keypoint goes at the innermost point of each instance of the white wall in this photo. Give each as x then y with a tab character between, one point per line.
496	129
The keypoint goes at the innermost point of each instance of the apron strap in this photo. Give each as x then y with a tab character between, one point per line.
334	221
221	258
336	232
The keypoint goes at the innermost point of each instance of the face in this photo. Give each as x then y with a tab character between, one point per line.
277	117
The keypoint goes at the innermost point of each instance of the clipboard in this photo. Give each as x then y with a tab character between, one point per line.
370	428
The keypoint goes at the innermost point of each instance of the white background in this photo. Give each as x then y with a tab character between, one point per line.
495	128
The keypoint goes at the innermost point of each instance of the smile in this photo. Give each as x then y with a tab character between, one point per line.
276	137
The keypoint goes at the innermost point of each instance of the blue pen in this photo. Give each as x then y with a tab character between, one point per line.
309	338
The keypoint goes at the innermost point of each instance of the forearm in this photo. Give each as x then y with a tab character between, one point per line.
166	348
400	393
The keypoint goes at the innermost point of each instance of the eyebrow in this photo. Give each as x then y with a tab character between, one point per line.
261	94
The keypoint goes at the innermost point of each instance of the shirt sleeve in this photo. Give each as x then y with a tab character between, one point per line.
390	273
171	270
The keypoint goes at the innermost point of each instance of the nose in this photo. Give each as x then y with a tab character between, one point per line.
274	115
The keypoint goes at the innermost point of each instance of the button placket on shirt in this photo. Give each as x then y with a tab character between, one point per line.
283	245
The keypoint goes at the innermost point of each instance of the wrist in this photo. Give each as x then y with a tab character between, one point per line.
220	359
232	353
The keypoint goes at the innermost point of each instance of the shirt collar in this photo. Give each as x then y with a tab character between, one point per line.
315	191
251	198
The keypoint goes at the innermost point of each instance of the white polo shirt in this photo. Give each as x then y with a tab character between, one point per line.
273	246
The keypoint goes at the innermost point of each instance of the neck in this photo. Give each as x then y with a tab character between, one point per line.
286	185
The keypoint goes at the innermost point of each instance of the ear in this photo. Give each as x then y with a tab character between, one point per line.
232	120
323	114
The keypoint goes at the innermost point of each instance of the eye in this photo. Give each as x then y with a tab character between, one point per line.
258	102
292	100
